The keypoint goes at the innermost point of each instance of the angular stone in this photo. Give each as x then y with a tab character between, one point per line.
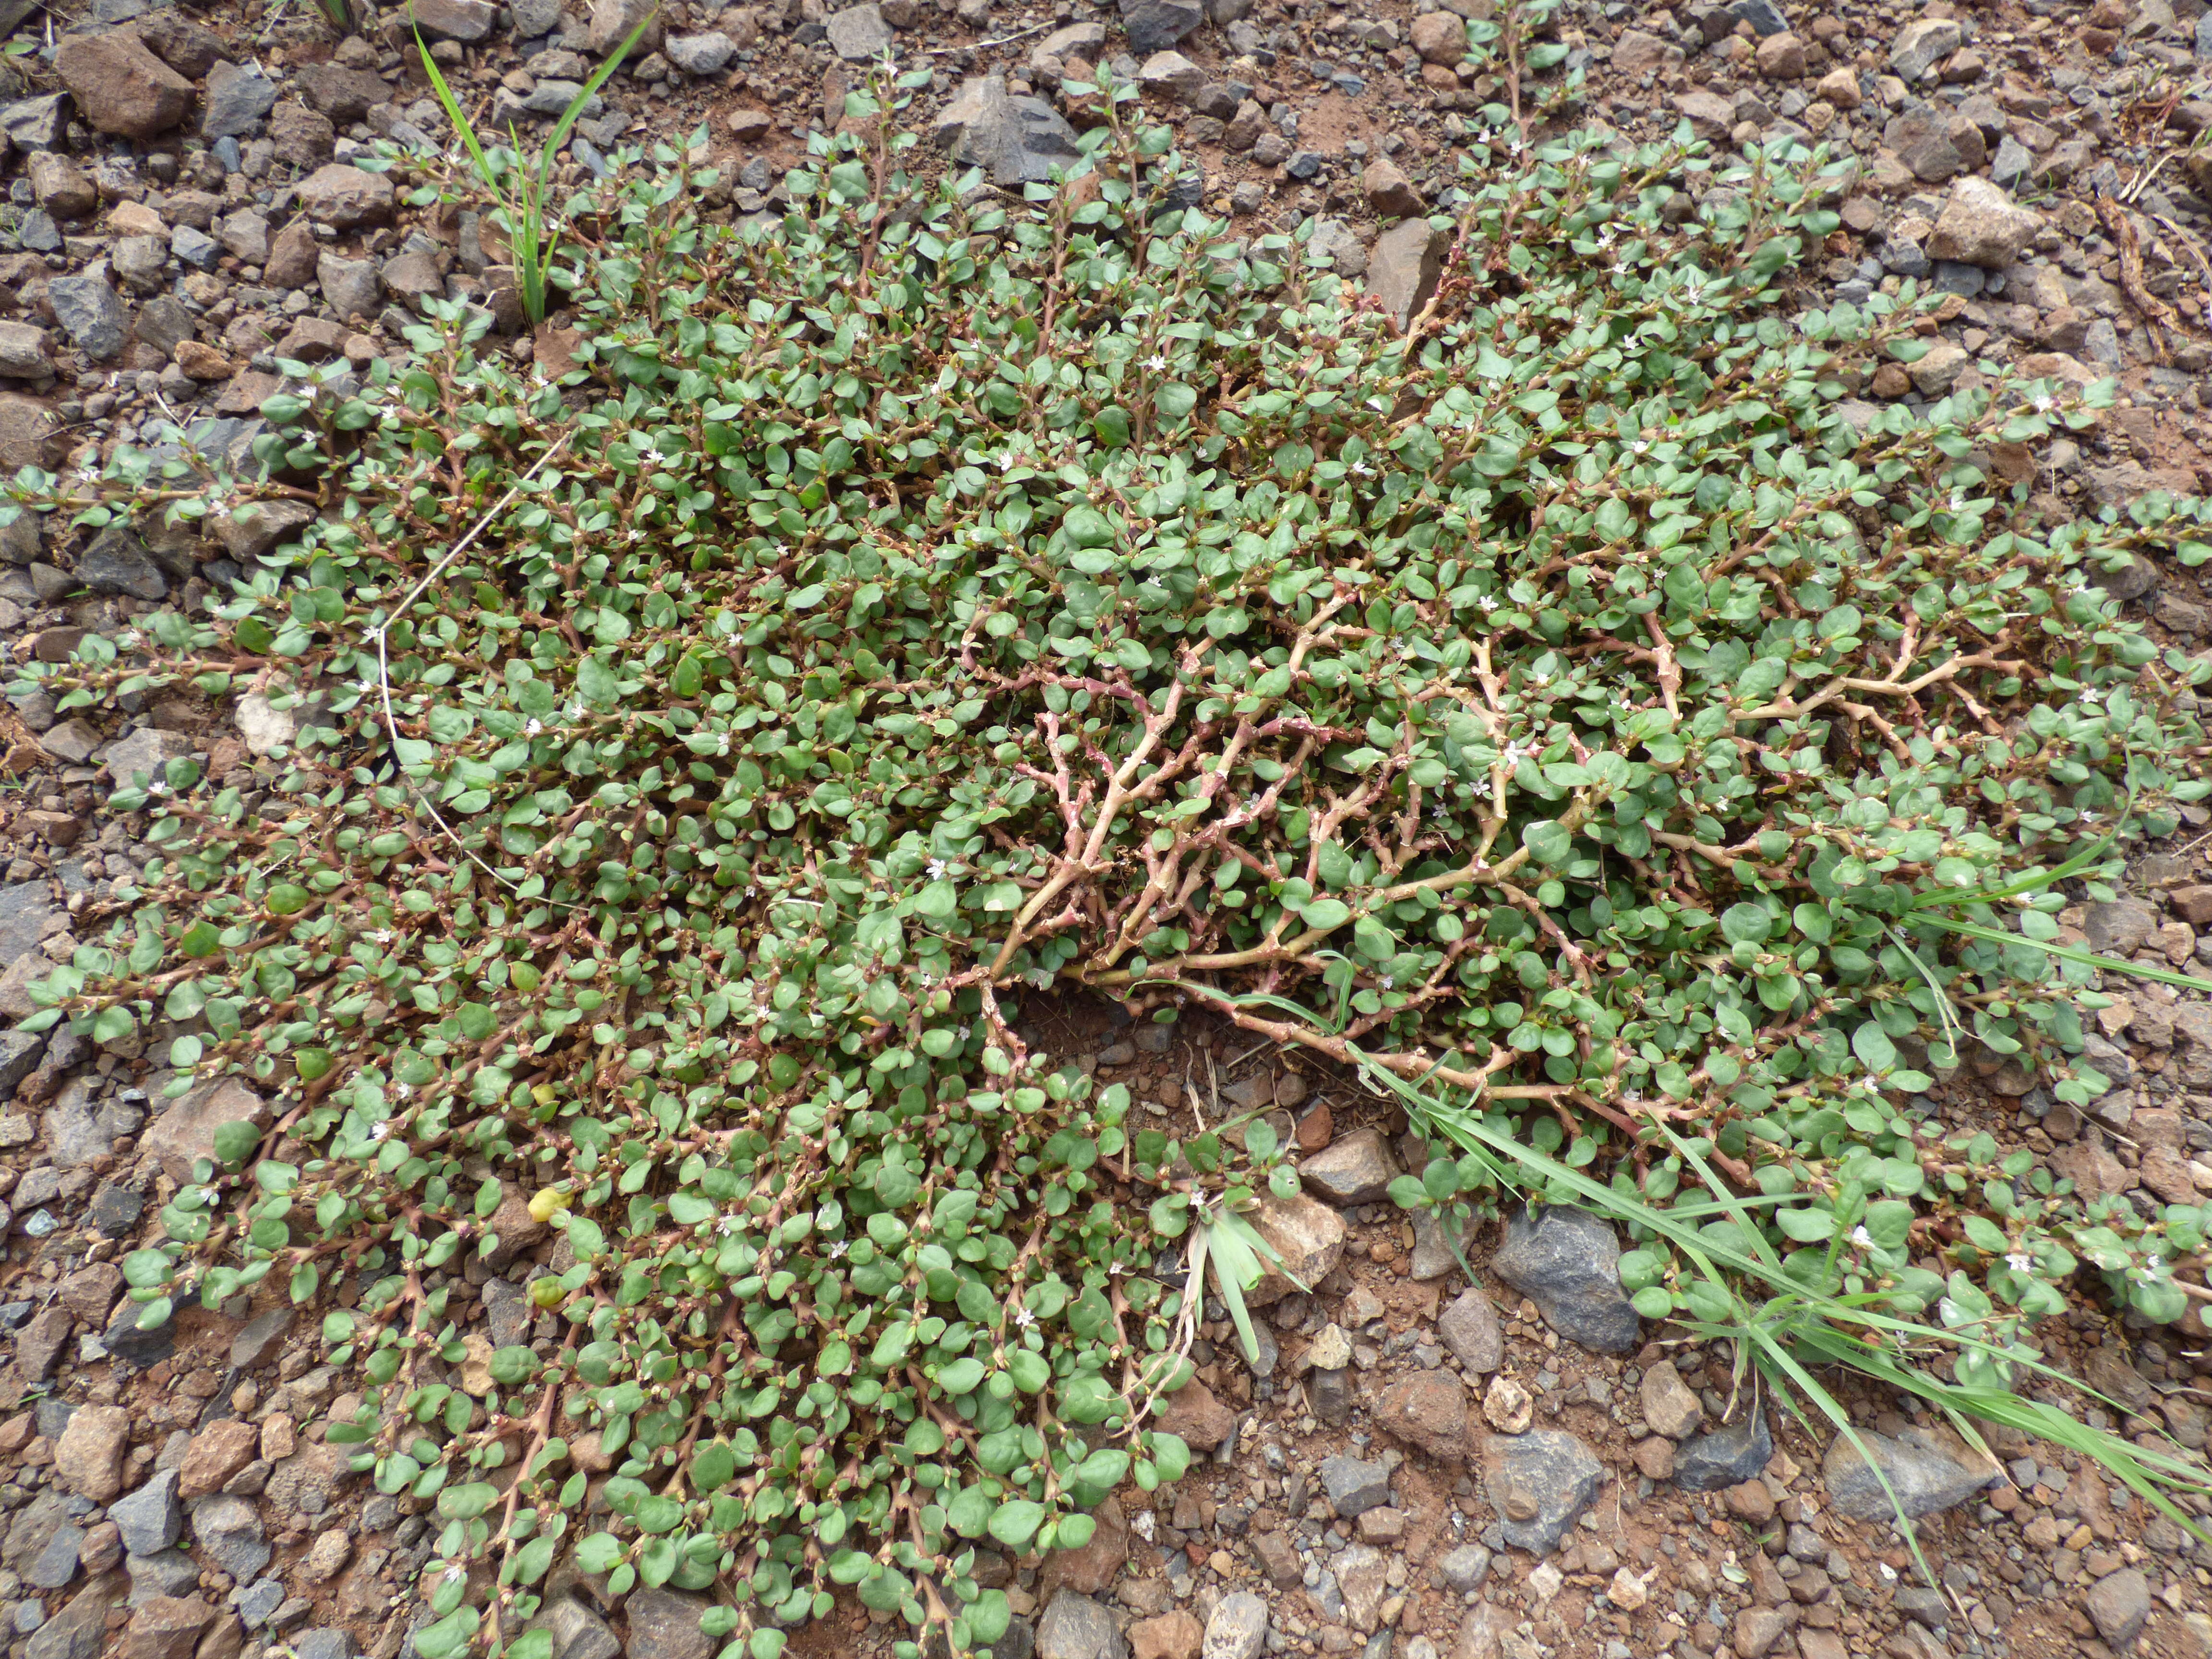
1173	1635
2119	927
61	187
186	46
1362	1579
1155	25
709	54
1428	1410
119	86
88	1457
1981	226
665	1625
1924	143
1464	1569
1406	265
1192	1412
303	137
237	98
36	124
1354	1486
343	94
1923	1473
343	196
1016	141
116	562
185	1131
2118	1605
1566	1261
258	1337
1439	37
167	1627
151	1519
859	34
577	1631
24	352
1470	1330
1723	1456
465	20
1669	1406
1357	1170
1758	1629
1307	1234
613	20
1506	1406
1539	1483
89	310
1076	1627
79	1631
1921	44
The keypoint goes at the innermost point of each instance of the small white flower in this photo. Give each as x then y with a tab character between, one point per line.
649	456
404	1090
379	1131
454	1575
1024	1318
1156	363
1638	447
2020	1261
1488	602
936	868
382	936
838	1246
157	787
1387	982
1862	1238
575	711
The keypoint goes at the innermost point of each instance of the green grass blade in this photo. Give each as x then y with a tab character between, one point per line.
2068	953
461	120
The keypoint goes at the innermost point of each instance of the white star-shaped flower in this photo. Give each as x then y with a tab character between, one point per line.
936	868
1024	1318
838	1246
2020	1261
1862	1238
379	1131
533	728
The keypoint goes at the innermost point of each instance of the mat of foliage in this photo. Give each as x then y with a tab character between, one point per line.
921	599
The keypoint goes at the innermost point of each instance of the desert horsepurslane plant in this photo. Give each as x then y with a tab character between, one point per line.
921	601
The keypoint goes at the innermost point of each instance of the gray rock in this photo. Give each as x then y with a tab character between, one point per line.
2120	927
195	247
237	99
1238	1628
1566	1261
1539	1482
351	286
26	907
1470	1330
150	1519
256	1601
1076	1627
126	1341
577	1631
35	123
2014	162
19	1052
508	1313
2136	577
1432	1248
1354	1488
319	1644
1355	1168
701	54
1016	141
859	34
1155	25
145	754
1765	18
1921	44
91	314
1928	1606
664	1623
228	1532
1725	1456
169	1572
2119	1604
57	1564
1464	1569
138	261
116	562
1925	1478
79	1631
257	1339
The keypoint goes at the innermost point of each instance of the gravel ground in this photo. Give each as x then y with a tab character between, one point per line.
1416	1467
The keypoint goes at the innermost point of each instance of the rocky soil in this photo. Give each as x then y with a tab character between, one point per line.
1416	1465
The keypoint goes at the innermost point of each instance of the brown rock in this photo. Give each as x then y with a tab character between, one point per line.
1654	1457
167	1627
292	255
216	1453
1097	1564
119	86
1318	1127
1440	38
1841	88
183	45
28	434
1780	57
343	196
1194	1414
1406	264
88	1457
1173	1635
202	361
225	1639
102	1548
1307	1234
343	94
1390	192
1669	1405
2193	904
1638	54
303	137
185	1131
1428	1411
1749	1500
